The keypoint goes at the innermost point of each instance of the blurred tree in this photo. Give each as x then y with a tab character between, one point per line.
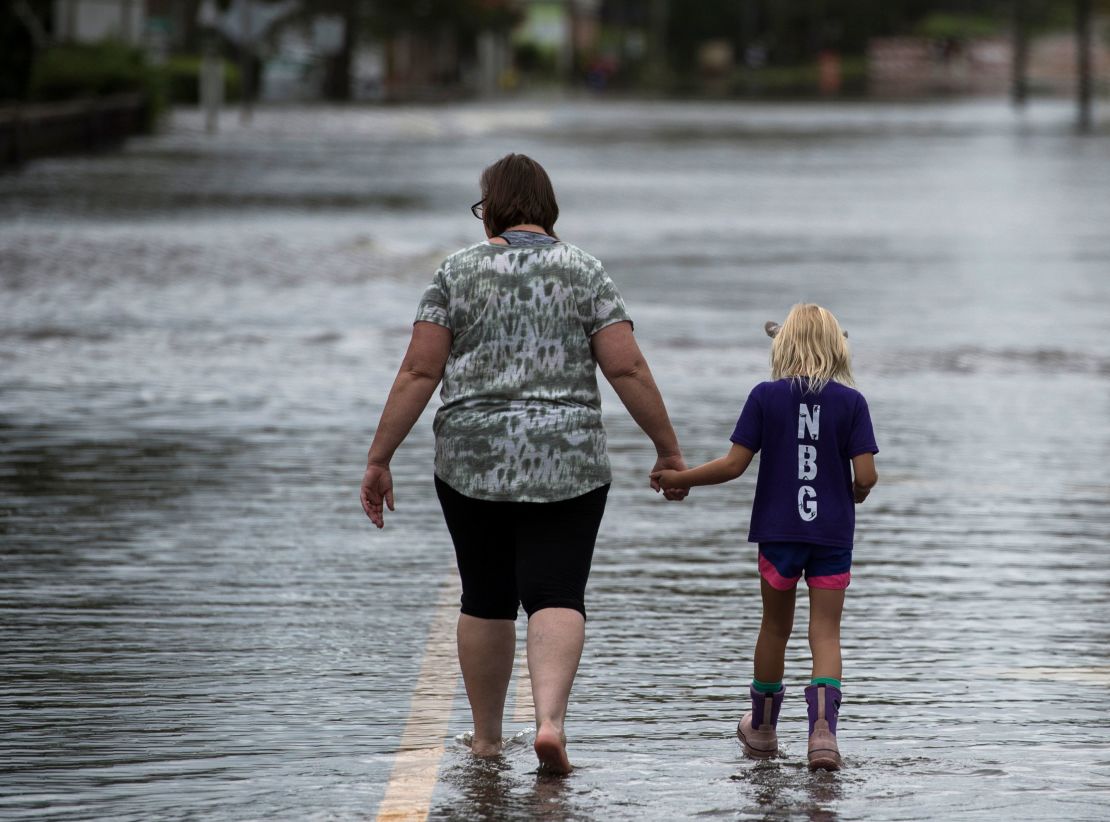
23	24
792	32
467	17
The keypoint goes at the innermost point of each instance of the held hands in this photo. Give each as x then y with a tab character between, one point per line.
377	486
666	479
663	475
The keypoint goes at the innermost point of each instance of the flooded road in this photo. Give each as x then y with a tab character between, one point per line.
196	338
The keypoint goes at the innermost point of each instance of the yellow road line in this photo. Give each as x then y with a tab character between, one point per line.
1082	675
416	768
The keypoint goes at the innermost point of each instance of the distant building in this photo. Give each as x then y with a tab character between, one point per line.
915	66
90	21
1053	58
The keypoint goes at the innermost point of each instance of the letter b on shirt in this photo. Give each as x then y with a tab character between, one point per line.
807	462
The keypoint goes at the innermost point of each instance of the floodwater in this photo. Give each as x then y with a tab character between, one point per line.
196	337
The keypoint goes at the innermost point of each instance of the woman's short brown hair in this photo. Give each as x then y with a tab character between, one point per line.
515	191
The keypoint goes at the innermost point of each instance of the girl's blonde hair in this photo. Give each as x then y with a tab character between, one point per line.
811	344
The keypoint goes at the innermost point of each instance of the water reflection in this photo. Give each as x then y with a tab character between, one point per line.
501	788
484	789
783	789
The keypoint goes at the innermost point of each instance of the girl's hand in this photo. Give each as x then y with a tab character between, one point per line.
864	476
377	486
666	480
671	463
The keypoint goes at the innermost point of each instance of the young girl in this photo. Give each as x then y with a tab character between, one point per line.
818	461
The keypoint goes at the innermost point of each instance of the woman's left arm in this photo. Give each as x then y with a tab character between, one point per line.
420	373
623	364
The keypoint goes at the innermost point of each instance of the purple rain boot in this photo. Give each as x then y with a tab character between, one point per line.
824	705
757	729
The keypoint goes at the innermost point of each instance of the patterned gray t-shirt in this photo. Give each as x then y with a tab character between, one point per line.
521	415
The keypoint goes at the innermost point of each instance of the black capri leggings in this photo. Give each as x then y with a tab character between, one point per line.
535	554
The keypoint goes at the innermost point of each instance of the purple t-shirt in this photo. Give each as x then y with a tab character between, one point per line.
804	489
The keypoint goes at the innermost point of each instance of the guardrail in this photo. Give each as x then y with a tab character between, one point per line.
29	131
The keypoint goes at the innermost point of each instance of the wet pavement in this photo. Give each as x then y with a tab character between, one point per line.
197	335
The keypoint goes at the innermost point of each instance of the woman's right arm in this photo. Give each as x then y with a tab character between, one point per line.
416	381
624	366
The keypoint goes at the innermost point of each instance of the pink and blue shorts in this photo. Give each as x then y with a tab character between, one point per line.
783	563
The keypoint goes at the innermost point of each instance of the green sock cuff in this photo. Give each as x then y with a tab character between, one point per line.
767	687
825	680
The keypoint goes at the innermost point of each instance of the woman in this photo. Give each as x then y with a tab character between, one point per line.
515	327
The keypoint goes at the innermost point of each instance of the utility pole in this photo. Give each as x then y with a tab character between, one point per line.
246	64
1083	62
126	17
657	42
211	78
1019	89
71	20
347	51
31	23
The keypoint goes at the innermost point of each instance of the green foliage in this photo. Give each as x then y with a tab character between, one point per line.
958	26
793	33
77	71
533	60
799	81
182	75
66	72
690	24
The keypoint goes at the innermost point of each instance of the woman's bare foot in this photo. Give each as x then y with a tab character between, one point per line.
486	748
551	750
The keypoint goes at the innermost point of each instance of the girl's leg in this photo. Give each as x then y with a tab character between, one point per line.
756	729
823	695
825	608
555	640
486	651
774	632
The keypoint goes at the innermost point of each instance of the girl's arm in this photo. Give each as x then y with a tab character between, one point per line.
722	469
863	470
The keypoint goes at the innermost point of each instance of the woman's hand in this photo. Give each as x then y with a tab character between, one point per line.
377	486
